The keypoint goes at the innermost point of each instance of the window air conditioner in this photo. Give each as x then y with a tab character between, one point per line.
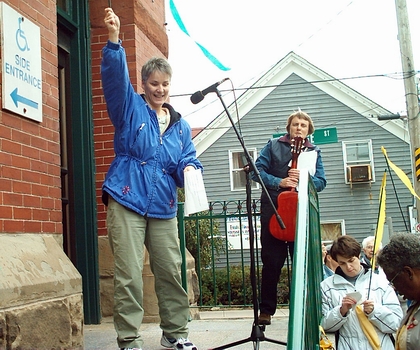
359	173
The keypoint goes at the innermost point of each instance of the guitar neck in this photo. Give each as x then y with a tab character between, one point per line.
297	144
294	161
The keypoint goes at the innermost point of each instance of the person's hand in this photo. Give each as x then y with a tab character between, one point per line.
368	306
294	174
112	22
189	168
288	182
347	304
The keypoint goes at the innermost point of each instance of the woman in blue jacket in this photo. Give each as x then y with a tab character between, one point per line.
153	148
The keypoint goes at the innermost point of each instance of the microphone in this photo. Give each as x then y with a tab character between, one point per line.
198	96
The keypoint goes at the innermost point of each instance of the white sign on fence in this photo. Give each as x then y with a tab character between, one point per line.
233	230
21	64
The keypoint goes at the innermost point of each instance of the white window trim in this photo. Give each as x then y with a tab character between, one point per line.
342	232
253	153
368	162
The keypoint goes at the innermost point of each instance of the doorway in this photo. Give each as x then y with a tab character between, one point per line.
80	237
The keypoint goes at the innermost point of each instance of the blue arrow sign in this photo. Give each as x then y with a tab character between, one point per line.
18	98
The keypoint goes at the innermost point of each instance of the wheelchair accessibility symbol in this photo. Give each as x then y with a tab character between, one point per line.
21	41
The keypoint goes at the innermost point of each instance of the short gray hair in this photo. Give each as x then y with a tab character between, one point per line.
155	64
402	250
368	239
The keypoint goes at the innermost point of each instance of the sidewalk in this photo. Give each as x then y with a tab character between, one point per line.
214	329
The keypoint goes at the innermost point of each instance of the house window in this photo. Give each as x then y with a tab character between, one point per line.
358	162
330	230
237	160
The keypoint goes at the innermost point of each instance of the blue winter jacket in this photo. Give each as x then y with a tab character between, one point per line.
148	167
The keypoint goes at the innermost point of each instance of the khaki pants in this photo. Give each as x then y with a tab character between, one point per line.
128	233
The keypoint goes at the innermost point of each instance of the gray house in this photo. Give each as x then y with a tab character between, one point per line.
349	134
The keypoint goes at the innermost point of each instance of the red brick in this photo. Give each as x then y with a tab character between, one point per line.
47	203
33	226
22	213
12	147
30	201
5	185
30	176
22	187
12	199
6	212
56	215
40	215
20	162
13	226
5	158
50	227
39	190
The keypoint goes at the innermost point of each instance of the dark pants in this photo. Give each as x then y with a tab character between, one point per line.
273	254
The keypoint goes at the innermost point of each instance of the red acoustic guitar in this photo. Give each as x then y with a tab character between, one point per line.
287	203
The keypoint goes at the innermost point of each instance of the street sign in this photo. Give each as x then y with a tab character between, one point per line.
320	136
21	64
323	136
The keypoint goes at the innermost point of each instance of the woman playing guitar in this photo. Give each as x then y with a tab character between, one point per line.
274	165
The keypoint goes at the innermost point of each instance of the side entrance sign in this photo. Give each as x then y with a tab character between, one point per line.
21	64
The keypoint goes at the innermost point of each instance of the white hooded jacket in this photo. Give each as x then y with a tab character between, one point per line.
385	317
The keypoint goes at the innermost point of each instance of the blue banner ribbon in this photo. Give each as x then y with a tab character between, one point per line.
181	26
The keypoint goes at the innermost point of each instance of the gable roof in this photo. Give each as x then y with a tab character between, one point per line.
293	63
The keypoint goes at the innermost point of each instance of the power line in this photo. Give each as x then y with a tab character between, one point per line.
396	75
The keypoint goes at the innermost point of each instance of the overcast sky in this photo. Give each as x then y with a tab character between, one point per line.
345	38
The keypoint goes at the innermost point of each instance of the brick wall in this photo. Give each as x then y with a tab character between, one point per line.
143	34
30	185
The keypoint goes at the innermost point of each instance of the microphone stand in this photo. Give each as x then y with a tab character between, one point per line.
257	332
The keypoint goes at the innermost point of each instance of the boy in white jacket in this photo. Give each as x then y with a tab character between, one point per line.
379	311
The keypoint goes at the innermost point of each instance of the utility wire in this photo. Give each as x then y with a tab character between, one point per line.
402	75
224	92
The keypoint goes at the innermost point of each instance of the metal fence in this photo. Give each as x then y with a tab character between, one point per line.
223	268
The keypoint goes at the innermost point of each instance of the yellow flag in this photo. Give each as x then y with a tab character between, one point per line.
368	329
404	178
381	221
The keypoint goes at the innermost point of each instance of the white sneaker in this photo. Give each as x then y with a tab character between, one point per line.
177	344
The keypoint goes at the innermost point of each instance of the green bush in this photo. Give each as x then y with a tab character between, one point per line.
203	242
208	243
219	288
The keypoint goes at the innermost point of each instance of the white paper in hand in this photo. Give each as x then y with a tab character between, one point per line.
307	160
357	296
195	193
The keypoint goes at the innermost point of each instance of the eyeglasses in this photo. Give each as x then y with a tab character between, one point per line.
391	283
